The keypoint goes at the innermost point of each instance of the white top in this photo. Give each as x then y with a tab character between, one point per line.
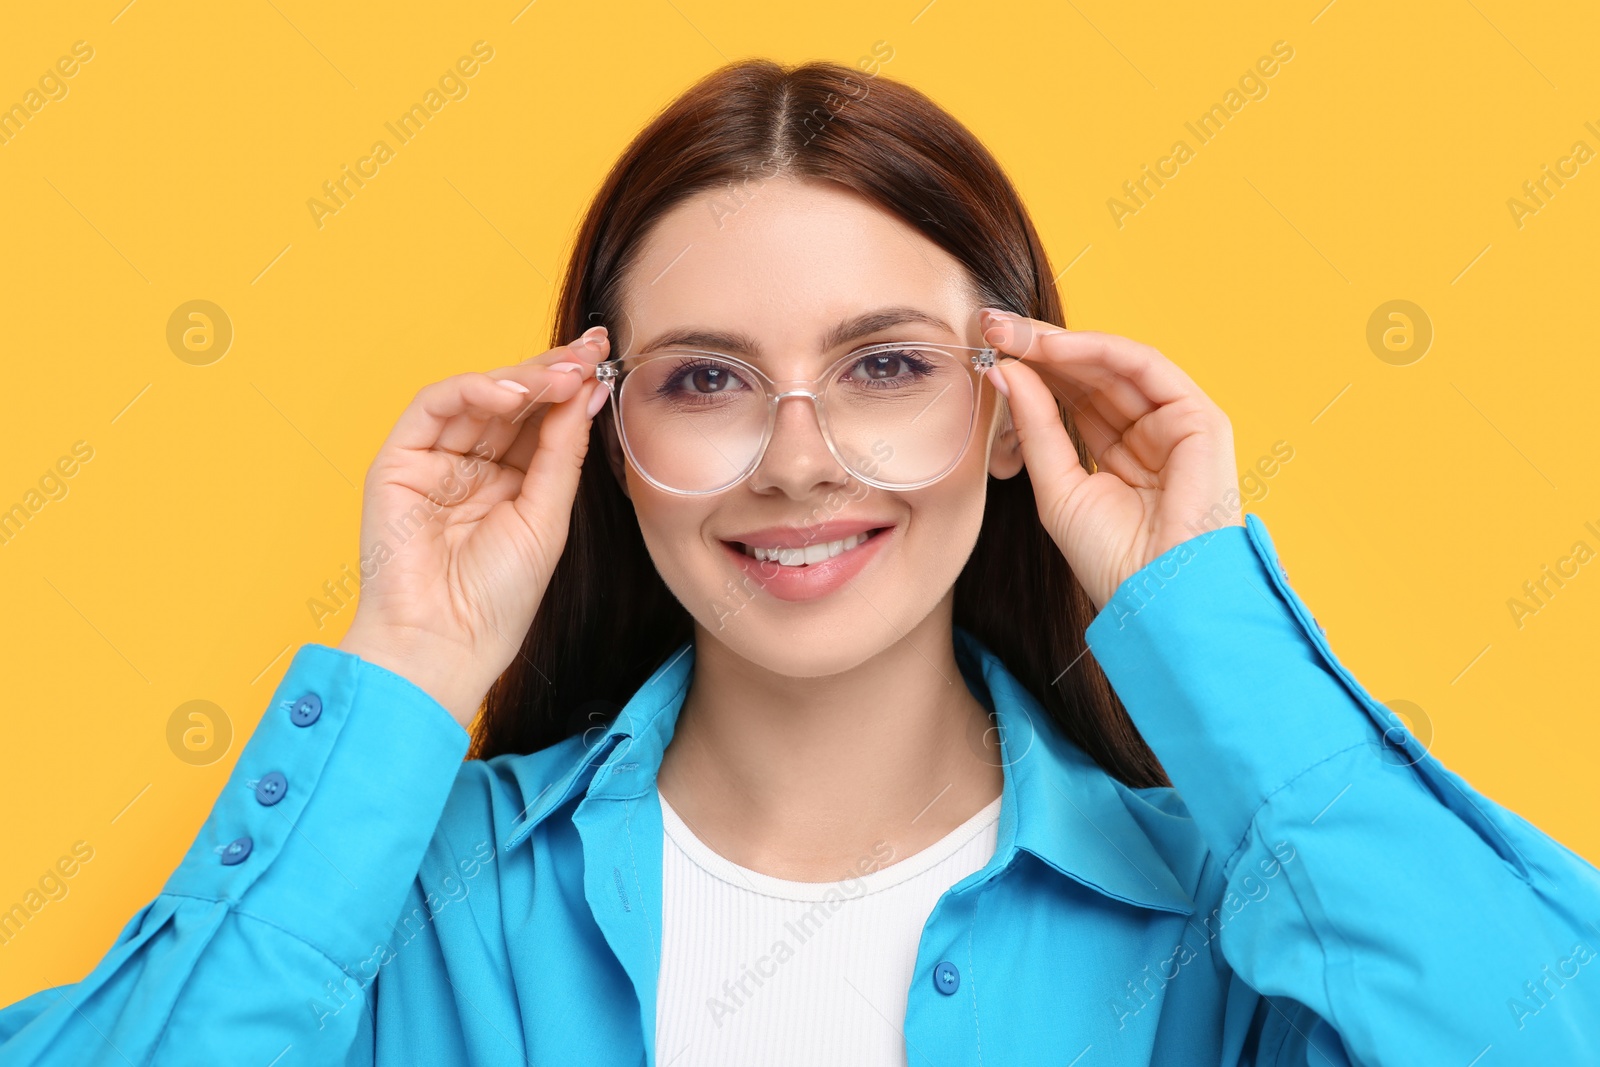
764	970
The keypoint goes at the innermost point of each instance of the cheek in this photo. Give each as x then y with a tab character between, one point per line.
672	527
946	517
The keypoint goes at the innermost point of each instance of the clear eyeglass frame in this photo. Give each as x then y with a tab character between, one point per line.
611	374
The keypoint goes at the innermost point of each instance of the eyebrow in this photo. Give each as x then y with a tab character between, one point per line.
742	344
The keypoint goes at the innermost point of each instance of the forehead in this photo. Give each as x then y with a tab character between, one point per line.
783	263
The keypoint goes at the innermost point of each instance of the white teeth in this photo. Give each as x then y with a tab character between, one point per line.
797	557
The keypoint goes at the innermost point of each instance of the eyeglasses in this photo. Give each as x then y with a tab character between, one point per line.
896	415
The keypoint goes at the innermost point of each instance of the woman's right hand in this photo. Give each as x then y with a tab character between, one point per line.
464	515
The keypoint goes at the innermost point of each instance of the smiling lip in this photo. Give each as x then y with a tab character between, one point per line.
801	536
813	580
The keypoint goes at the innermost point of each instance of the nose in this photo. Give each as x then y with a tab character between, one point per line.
797	461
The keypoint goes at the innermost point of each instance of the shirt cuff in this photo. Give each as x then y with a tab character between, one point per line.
324	821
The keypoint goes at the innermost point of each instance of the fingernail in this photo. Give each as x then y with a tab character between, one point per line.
999	313
597	400
515	387
999	381
591	337
566	366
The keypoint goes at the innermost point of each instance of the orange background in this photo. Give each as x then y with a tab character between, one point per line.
176	165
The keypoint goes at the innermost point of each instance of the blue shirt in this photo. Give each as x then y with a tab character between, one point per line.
1315	889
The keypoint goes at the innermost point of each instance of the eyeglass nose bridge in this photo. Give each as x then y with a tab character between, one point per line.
773	396
818	409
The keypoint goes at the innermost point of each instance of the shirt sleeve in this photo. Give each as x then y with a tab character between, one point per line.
1386	911
268	934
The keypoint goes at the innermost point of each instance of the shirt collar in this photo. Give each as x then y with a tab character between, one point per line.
1056	802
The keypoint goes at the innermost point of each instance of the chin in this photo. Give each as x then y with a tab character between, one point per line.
806	648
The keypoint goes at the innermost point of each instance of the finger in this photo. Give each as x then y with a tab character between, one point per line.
1117	400
1106	437
492	434
1138	453
1097	431
1117	403
551	482
1152	439
471	395
519	454
587	349
522	447
590	348
1047	450
1134	377
493	437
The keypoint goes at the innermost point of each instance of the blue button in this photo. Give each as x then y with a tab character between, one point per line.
306	710
272	788
236	850
946	979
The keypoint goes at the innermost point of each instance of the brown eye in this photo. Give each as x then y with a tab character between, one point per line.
693	380
890	369
709	379
885	366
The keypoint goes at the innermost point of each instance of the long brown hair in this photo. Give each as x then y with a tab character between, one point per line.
607	619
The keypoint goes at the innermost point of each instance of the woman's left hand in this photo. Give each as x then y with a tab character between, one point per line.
1163	450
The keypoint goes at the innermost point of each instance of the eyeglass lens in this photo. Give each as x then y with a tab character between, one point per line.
695	422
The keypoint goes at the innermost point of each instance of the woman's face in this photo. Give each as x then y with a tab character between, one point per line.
792	263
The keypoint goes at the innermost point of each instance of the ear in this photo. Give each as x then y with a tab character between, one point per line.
614	456
1005	450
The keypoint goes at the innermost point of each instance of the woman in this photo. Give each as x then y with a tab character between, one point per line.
792	746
